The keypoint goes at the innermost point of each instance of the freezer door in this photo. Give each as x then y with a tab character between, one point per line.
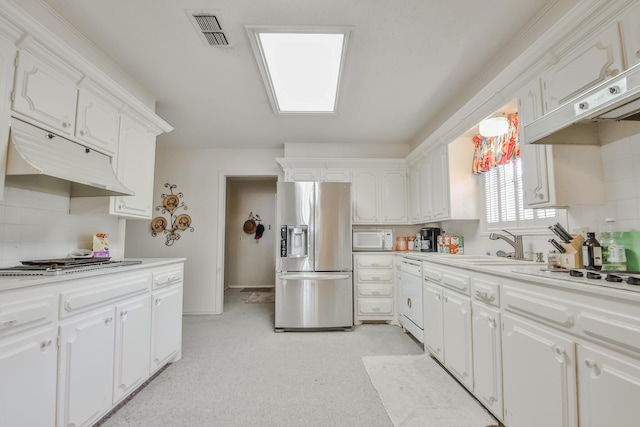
314	301
295	210
333	226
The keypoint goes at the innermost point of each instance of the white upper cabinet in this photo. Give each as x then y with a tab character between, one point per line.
595	60
7	68
45	91
98	118
445	187
630	26
379	197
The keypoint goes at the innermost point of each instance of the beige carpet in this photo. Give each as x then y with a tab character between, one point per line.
416	391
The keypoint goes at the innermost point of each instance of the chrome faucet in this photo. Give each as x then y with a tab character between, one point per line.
516	242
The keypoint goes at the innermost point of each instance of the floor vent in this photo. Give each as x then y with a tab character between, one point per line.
209	28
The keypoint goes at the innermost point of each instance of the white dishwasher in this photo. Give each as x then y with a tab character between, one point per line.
410	297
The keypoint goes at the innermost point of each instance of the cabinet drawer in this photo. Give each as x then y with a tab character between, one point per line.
458	282
485	291
78	300
374	276
167	277
534	306
383	307
375	291
26	313
623	331
372	261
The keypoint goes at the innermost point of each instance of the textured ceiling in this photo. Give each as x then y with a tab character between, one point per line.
405	62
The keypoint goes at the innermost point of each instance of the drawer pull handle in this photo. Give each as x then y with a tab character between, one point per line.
376	309
375	278
158	301
492	322
409	302
9	322
375	293
490	296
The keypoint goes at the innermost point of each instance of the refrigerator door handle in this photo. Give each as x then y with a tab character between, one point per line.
314	276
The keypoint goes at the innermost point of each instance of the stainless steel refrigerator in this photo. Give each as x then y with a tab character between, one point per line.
314	286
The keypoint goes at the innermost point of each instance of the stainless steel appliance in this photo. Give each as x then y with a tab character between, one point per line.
62	266
373	240
429	239
314	288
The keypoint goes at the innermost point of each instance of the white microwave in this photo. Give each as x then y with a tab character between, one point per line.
373	240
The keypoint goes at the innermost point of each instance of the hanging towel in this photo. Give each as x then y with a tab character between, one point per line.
259	231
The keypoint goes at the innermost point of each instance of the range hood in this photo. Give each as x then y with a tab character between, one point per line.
36	154
576	122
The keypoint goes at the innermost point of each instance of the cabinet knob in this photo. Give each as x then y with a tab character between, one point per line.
83	132
539	195
158	301
637	53
583	105
614	89
46	343
593	366
492	322
409	302
66	124
108	320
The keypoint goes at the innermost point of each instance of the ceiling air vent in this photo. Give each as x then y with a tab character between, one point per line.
208	26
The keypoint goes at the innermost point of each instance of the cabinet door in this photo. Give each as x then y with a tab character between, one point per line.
539	376
135	169
631	37
296	175
7	68
426	182
536	174
393	200
458	355
28	378
85	369
45	93
609	388
440	183
487	357
166	326
133	339
335	175
529	105
365	197
594	61
414	195
433	320
97	122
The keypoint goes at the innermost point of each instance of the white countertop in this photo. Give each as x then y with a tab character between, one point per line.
17	282
524	271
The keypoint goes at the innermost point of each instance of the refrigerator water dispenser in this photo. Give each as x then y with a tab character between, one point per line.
293	241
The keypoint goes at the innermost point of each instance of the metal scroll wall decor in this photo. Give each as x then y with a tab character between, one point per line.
179	222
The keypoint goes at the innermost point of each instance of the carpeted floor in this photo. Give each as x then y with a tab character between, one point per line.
236	371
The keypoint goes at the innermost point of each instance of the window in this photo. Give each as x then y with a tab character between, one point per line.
504	202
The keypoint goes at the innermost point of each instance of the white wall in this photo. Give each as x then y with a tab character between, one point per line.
249	262
197	173
37	224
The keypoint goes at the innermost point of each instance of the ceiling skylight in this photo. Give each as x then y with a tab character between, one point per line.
300	67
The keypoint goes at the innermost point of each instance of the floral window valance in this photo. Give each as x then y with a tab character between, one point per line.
497	150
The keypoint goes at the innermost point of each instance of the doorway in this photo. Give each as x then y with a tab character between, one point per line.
249	253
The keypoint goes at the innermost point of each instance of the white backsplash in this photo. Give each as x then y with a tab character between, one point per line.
37	225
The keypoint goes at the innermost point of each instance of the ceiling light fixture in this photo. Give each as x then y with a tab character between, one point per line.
494	126
301	67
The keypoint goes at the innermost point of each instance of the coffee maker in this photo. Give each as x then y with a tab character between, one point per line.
429	239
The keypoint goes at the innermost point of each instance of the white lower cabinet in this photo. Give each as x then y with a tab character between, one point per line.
457	336
487	357
608	386
28	373
373	288
132	346
166	326
85	368
433	340
539	375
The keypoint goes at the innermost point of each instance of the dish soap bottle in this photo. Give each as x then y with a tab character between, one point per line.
592	253
614	257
